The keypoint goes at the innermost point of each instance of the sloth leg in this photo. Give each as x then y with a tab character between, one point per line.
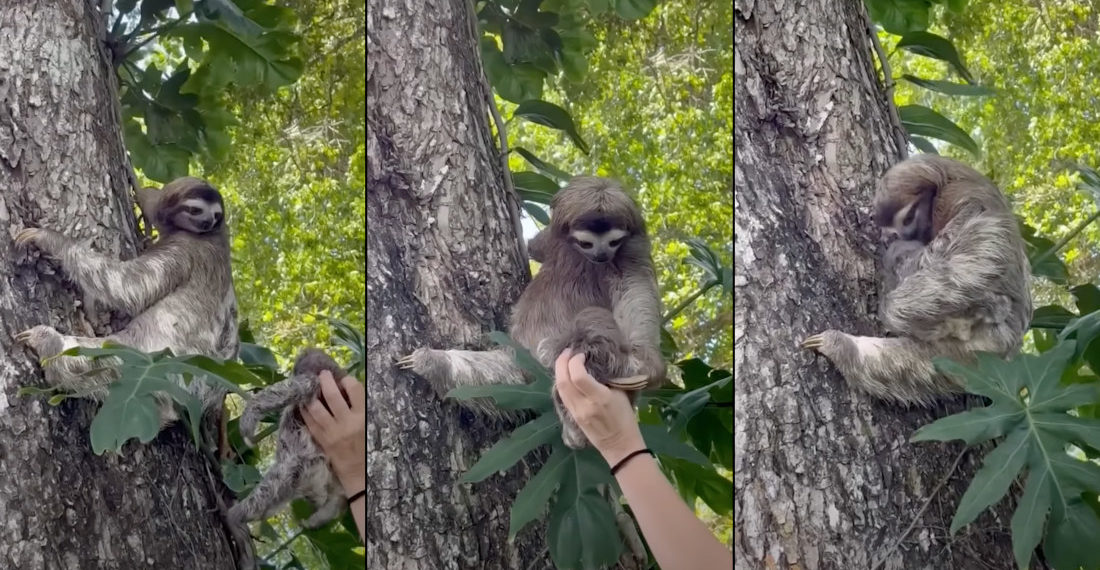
268	496
329	505
898	369
449	369
72	373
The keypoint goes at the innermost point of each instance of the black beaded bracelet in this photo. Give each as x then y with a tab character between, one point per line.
352	498
623	461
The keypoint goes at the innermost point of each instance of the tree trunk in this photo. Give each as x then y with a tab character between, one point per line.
443	269
824	478
63	166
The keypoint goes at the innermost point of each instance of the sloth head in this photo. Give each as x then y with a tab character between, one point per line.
595	216
907	218
184	205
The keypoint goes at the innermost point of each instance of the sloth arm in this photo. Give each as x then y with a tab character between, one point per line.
131	285
959	272
637	311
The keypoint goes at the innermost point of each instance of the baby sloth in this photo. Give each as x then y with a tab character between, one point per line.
606	357
300	468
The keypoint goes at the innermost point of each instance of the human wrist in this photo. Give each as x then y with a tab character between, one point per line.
352	481
616	451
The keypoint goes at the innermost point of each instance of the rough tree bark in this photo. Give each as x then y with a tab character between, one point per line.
443	268
63	166
824	478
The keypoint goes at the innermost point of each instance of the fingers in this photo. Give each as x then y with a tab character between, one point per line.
357	396
581	380
316	413
561	365
307	417
331	391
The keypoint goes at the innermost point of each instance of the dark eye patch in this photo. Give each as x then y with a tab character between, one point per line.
194	210
912	213
615	242
585	244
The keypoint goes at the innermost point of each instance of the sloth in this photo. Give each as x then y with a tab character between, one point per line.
965	289
596	291
300	468
179	294
899	261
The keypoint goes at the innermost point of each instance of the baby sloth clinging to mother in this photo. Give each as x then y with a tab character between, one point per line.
956	283
596	291
300	468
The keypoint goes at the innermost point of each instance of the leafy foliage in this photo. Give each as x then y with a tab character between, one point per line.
1029	405
690	428
173	92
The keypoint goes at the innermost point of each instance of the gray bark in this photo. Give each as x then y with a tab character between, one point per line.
443	269
824	478
63	166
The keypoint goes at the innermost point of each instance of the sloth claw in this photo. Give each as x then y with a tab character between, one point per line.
404	362
813	342
629	383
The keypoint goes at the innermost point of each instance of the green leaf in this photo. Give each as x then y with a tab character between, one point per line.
241	59
1051	266
991	377
231	17
507	396
534	187
1030	515
240	477
924	145
658	439
920	120
1051	317
508	451
899	16
949	87
256	355
1042	375
130	410
1071	539
991	482
542	166
582	532
537	213
513	83
634	9
543	378
550	115
1087	296
185	7
973	426
936	47
534	496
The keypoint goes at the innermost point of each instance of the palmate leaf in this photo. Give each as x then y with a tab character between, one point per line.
1039	429
531	500
130	410
1051	317
511	449
1071	540
553	116
582	532
936	47
507	396
543	378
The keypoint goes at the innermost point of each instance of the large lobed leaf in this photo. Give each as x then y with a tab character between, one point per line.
1029	407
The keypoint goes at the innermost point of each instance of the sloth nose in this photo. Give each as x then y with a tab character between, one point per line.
602	257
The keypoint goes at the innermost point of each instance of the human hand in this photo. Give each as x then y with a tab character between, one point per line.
341	428
604	415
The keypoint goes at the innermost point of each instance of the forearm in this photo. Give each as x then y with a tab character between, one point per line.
677	538
352	484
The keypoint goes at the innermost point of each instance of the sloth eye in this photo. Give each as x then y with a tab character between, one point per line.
585	244
615	242
194	210
912	213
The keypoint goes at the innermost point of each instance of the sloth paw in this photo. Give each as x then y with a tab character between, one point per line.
28	236
832	345
44	340
572	436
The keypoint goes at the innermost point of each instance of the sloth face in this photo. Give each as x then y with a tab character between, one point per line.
198	216
598	247
911	222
